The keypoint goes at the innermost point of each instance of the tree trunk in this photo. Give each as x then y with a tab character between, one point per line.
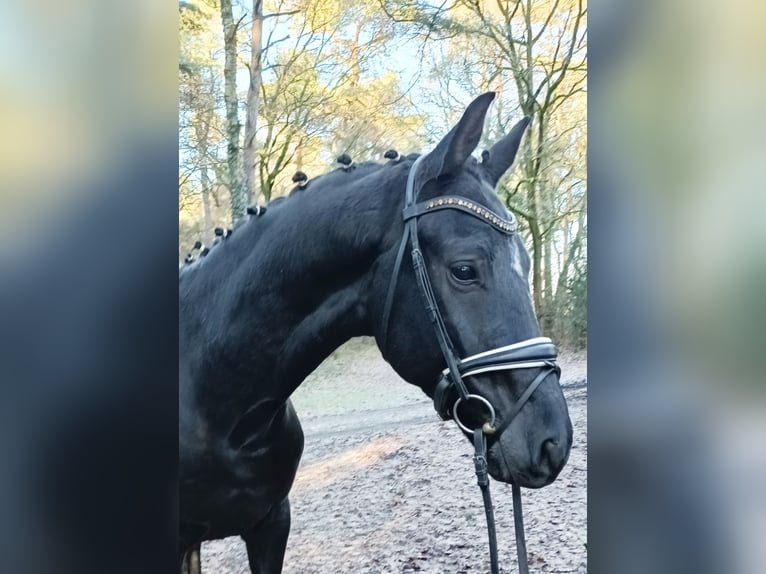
530	170
537	269
232	117
537	265
546	313
202	130
264	172
347	137
253	103
572	252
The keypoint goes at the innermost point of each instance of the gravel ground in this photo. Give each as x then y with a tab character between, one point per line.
384	486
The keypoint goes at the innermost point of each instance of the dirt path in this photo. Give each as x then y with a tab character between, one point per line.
386	487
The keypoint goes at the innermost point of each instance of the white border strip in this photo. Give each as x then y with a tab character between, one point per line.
527	343
502	367
506	367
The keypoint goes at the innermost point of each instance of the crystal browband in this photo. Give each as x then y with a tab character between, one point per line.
464	205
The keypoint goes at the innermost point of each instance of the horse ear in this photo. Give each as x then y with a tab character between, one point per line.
502	154
451	152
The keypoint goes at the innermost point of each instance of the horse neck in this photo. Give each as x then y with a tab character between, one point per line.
299	293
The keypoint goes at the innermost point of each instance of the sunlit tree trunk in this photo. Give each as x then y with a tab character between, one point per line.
546	318
249	159
232	116
202	130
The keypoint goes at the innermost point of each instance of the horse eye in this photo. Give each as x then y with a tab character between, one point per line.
464	273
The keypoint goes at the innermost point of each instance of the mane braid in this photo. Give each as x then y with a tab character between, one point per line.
335	177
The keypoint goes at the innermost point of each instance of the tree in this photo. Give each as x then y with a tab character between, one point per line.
318	100
230	28
253	101
200	128
533	52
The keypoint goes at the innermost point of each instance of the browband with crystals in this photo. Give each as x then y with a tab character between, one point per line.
462	204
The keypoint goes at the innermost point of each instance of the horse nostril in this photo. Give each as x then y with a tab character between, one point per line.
552	454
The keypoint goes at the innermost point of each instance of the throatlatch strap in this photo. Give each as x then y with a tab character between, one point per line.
409	199
392	285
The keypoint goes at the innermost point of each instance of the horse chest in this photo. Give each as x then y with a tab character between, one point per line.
230	488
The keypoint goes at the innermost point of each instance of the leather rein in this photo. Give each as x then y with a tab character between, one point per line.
451	390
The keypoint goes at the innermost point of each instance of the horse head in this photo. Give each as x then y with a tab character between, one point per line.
456	262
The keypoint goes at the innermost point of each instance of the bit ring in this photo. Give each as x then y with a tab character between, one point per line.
486	403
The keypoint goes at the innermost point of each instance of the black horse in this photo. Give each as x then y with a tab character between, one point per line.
269	303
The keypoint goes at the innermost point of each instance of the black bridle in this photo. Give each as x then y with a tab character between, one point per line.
451	390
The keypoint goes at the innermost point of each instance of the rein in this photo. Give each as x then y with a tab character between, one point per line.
451	390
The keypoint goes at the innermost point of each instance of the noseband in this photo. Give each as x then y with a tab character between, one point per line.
451	391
